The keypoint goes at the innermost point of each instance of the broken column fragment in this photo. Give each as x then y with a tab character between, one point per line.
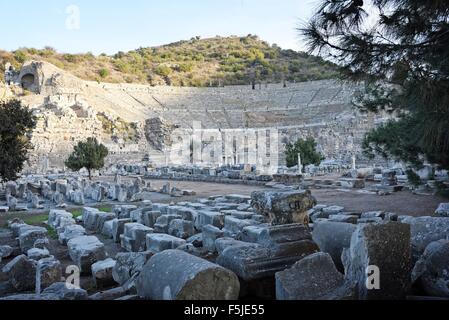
176	275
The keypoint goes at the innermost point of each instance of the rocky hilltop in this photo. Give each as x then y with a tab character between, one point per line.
193	63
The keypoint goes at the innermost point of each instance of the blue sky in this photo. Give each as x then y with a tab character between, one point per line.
113	25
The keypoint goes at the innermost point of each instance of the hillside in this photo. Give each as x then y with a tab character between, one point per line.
194	63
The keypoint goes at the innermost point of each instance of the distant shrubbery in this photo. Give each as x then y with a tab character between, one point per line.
197	62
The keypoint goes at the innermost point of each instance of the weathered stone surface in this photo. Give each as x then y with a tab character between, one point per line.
210	235
283	207
344	218
37	254
71	232
310	278
28	235
134	237
221	244
233	227
176	275
181	228
213	218
107	229
102	272
160	242
163	222
5	252
48	272
443	210
332	238
253	233
62	292
129	265
21	272
332	210
85	251
118	228
386	246
252	261
431	272
425	230
196	240
42	243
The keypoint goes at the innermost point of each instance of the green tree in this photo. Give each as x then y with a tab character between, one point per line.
307	149
16	125
89	154
403	60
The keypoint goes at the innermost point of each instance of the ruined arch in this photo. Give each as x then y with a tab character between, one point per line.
27	81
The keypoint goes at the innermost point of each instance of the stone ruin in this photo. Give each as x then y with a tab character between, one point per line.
227	248
71	109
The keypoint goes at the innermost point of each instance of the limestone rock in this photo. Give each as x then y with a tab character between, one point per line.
425	230
102	272
38	254
48	272
387	247
71	232
176	275
5	252
443	210
129	265
283	207
309	279
160	242
63	292
432	270
85	251
21	272
332	238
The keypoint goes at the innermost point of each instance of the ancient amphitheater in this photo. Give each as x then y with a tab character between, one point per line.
68	108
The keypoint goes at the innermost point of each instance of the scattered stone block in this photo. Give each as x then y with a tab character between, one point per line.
344	218
134	237
283	207
102	273
333	238
431	272
118	228
21	272
181	228
310	278
107	229
129	265
28	236
176	275
5	252
213	218
163	222
48	272
85	251
160	242
424	231
386	246
60	291
210	235
443	210
233	227
38	254
71	232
